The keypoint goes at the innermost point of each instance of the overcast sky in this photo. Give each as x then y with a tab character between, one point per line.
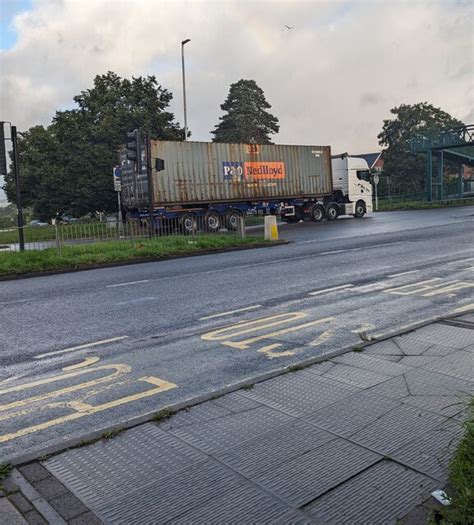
332	79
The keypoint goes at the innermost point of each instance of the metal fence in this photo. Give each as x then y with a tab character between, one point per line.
59	235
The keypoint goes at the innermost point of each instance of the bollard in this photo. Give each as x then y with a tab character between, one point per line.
271	228
241	227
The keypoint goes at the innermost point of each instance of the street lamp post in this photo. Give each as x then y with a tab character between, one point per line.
184	89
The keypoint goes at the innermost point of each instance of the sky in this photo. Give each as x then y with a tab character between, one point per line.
331	79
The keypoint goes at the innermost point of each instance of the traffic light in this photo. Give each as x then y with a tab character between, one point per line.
133	148
3	157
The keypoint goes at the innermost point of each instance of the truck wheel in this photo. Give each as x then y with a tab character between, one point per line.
359	209
332	212
317	213
212	222
232	220
188	224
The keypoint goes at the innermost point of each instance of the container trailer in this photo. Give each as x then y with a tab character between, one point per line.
216	183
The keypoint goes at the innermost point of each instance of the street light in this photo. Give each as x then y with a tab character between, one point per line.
184	88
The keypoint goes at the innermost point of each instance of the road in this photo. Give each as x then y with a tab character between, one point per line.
90	349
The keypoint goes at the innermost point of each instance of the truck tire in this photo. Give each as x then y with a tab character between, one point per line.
332	212
212	222
232	220
359	209
188	224
317	213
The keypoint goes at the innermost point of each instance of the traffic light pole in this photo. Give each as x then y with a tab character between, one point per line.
149	174
16	171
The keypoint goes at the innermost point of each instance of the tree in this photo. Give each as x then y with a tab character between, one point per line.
67	167
407	170
247	120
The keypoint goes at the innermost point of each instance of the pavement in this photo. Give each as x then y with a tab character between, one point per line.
363	437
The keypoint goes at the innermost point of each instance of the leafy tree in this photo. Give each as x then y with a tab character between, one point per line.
247	119
67	167
407	171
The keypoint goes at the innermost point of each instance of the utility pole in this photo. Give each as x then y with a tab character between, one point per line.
149	174
16	171
183	43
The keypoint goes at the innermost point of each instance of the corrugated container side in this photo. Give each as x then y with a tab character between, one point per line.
197	172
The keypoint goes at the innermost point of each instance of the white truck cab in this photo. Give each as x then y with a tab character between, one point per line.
351	176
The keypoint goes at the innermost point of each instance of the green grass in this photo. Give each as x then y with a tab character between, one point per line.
84	255
5	470
461	479
163	415
48	233
422	205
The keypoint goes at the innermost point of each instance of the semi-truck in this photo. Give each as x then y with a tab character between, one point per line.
213	184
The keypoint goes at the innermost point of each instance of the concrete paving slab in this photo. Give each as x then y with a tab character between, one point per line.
203	412
445	335
97	471
459	364
220	434
409	345
352	414
418	361
236	402
397	428
300	392
162	501
257	456
431	452
245	504
371	363
380	494
9	515
422	388
384	348
355	376
306	477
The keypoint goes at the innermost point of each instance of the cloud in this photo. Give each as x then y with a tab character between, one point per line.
331	80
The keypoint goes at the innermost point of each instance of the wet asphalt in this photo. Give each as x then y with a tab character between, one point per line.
189	326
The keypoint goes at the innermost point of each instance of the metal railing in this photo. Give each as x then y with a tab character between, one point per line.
84	234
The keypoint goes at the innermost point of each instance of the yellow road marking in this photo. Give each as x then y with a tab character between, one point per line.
255	325
322	338
119	371
454	287
85	409
88	361
242	345
464	308
364	327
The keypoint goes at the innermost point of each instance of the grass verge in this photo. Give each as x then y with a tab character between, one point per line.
420	205
461	479
93	254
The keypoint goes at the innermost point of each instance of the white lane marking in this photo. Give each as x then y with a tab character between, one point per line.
386	244
126	284
403	273
334	251
461	261
333	289
17	301
80	347
231	312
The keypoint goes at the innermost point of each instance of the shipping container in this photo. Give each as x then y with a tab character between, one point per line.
202	172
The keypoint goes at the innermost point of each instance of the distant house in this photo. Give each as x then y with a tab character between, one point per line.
374	160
